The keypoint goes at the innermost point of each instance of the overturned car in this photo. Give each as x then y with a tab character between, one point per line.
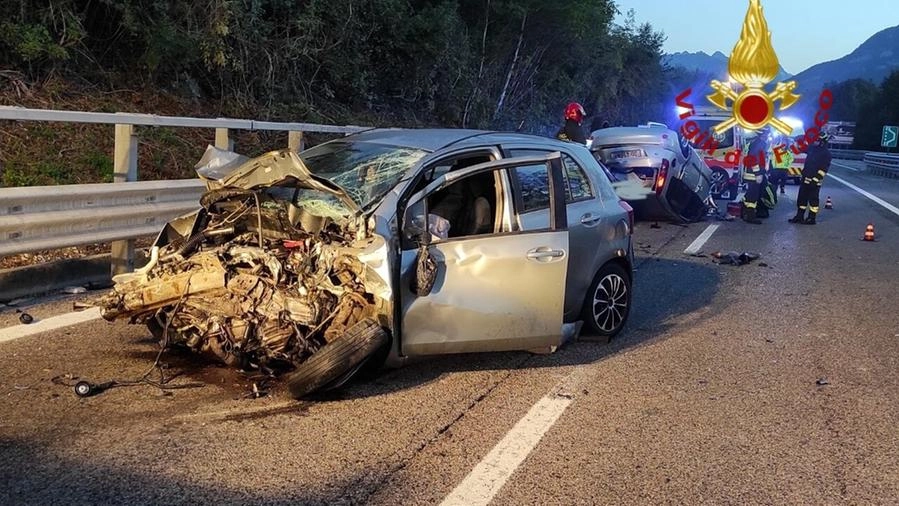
383	246
656	170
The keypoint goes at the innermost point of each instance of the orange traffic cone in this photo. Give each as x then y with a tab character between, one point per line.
828	204
869	232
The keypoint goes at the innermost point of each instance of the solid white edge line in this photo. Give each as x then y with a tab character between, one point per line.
492	472
52	323
700	241
853	169
875	198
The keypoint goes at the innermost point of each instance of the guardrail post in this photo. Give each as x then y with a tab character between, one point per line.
295	141
124	170
223	139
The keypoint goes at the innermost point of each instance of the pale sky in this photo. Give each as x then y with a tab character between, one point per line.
803	32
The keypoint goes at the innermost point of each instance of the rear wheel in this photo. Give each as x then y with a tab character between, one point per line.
336	358
608	301
720	180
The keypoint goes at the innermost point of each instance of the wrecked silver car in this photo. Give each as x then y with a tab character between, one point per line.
656	170
383	246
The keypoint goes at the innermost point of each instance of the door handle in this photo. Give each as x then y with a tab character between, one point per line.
589	219
545	254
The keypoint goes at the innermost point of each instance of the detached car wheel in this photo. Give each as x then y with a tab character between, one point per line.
608	302
336	358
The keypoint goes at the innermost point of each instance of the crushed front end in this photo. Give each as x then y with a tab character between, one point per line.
273	267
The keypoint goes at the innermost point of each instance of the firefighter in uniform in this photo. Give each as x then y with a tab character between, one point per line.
571	130
754	176
817	163
779	170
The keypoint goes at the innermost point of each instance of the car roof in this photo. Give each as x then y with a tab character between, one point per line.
632	135
435	139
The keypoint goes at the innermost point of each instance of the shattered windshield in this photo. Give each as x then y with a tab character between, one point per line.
366	171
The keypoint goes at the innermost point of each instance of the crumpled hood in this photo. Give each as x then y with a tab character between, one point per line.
221	168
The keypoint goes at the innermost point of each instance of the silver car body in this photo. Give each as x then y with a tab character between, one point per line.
655	169
513	289
514	230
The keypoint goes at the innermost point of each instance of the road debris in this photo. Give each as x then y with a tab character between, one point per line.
74	290
822	381
26	318
735	258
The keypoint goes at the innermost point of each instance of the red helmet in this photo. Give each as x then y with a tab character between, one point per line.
575	111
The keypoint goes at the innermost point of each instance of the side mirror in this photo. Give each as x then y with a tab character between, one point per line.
425	274
423	230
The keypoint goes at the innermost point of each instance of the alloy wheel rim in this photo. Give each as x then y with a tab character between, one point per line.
610	302
718	180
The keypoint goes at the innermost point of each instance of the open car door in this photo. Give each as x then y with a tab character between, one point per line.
500	289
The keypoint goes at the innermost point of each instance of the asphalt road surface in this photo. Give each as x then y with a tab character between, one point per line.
768	383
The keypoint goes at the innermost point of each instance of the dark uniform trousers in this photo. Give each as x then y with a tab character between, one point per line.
810	194
753	177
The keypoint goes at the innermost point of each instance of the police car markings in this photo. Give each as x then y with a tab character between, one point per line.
696	245
53	323
889	207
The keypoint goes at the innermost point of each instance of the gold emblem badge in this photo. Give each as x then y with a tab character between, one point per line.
753	64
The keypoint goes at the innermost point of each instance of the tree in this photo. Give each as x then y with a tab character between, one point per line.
879	109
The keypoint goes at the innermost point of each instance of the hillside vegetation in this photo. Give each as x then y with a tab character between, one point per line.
501	64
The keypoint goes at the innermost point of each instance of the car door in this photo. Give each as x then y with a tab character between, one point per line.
589	226
494	291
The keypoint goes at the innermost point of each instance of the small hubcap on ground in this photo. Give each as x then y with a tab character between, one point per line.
610	302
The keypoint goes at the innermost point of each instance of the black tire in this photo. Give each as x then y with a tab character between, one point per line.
608	302
719	182
336	358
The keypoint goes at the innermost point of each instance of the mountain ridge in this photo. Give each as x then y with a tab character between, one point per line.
872	60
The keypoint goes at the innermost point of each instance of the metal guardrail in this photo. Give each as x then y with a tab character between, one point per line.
47	217
117	212
882	164
848	154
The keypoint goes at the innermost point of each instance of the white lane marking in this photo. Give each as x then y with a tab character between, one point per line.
489	476
695	246
875	198
853	169
53	323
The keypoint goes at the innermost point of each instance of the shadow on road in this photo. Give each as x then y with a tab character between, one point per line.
35	474
663	289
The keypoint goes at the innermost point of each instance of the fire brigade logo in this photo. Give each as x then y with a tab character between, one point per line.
753	64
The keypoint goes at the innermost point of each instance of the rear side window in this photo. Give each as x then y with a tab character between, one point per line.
577	184
533	187
684	146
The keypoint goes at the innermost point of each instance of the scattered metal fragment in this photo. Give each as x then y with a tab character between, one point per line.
26	318
822	381
74	290
735	258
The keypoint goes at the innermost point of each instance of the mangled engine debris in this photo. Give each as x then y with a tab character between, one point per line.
254	278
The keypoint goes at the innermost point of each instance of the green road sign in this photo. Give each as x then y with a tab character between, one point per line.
890	136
